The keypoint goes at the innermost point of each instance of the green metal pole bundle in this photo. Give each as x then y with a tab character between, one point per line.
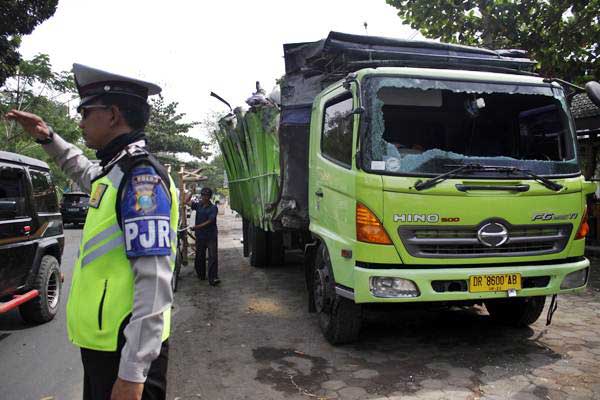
250	146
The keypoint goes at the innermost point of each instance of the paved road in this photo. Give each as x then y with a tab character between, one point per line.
252	338
39	361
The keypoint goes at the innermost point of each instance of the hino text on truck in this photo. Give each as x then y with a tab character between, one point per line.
412	172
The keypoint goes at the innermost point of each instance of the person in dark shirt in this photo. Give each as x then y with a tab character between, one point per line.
206	237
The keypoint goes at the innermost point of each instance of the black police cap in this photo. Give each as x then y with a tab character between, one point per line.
92	83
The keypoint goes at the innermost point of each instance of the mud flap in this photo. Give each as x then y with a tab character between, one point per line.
552	309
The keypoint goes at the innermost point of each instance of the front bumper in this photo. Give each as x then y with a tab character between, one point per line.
423	278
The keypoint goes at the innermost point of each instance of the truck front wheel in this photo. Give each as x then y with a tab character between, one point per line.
340	319
518	312
48	282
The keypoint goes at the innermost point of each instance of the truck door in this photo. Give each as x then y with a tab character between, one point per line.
16	250
331	176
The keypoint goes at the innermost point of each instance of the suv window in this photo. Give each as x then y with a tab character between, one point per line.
44	196
336	140
12	193
75	199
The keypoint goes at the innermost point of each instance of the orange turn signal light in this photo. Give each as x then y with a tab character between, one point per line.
584	227
368	227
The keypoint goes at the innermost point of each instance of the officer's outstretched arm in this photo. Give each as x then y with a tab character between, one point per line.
145	215
71	160
68	157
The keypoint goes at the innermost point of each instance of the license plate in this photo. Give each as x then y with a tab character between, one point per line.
73	209
494	283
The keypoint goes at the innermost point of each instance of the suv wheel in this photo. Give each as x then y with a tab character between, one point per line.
44	307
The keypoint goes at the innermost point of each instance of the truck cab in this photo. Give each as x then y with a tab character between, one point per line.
439	185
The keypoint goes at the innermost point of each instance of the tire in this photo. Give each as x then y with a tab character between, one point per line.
176	270
258	247
246	244
340	319
276	250
518	312
48	282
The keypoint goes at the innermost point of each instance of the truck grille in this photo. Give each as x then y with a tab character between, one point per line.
462	242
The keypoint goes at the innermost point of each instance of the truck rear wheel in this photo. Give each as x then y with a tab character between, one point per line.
245	239
258	247
48	282
340	319
518	312
276	251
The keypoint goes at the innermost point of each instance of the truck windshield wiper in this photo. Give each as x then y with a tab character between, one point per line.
421	185
550	184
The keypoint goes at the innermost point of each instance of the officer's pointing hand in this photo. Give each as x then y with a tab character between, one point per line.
32	124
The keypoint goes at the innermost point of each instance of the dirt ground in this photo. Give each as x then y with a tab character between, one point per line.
252	338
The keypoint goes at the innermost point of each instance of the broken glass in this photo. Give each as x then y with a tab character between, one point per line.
419	126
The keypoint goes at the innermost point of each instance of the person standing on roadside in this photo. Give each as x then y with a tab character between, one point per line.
206	232
119	306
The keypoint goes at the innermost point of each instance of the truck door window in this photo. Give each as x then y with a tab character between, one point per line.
336	139
12	193
44	196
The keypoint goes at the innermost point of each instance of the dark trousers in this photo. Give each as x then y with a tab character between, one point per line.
100	371
202	245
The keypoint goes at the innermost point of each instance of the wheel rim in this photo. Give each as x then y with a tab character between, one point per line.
53	289
319	289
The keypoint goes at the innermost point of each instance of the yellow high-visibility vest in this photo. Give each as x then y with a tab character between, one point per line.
102	288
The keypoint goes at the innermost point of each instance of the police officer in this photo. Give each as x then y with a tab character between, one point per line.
206	237
119	304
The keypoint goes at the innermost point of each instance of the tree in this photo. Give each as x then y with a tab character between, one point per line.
562	36
38	89
166	132
19	17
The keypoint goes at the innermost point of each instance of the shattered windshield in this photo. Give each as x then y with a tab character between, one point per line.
423	126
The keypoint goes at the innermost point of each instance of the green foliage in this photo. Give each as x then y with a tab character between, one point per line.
562	36
19	17
215	172
166	132
38	89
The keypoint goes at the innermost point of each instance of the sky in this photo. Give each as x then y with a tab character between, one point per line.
191	48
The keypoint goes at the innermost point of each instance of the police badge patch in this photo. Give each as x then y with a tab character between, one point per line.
97	195
143	186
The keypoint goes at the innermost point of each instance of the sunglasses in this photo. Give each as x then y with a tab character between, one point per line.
85	110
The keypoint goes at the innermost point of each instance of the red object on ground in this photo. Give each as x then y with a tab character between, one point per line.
18	300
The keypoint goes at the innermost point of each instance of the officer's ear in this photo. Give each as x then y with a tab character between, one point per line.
117	117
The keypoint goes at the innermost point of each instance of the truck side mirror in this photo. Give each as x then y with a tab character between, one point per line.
593	91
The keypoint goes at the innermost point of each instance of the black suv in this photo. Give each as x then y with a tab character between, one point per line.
74	207
31	239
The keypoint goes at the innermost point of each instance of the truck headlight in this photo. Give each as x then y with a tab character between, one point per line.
385	286
575	279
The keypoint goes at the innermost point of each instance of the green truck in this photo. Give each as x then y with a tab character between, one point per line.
412	172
